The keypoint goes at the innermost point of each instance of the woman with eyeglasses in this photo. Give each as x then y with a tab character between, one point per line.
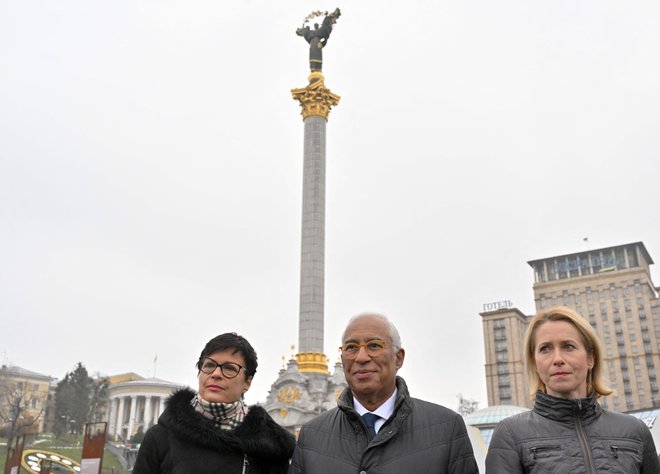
568	430
213	430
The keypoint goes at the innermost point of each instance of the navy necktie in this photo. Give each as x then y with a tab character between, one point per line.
370	421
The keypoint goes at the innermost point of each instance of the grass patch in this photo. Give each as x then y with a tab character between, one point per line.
66	445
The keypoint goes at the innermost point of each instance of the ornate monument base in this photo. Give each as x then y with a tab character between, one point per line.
296	397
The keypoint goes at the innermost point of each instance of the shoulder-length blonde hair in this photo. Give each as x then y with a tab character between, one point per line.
595	377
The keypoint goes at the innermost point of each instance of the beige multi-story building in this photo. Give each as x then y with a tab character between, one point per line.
506	383
612	288
25	401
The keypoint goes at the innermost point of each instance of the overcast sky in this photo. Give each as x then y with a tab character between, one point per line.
151	172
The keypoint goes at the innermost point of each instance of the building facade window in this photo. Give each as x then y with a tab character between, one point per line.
505	392
562	266
500	346
632	257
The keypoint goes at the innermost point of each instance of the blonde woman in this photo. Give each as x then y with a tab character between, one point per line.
568	430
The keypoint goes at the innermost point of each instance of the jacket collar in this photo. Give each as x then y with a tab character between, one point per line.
257	435
345	401
565	409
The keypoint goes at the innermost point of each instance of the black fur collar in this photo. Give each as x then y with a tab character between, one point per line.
257	436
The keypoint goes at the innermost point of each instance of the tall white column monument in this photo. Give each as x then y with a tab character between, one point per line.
305	386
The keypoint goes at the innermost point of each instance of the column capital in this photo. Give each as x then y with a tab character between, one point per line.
312	362
315	99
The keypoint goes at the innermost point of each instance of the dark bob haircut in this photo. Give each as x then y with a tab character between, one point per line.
231	340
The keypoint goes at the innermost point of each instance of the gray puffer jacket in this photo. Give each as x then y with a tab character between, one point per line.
562	435
420	437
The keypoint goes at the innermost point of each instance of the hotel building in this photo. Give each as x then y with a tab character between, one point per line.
612	288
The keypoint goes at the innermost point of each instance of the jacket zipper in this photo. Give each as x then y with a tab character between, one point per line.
245	463
615	450
584	443
536	449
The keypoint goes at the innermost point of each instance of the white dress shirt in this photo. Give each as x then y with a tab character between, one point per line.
384	411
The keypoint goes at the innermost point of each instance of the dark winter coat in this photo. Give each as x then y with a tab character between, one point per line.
562	435
419	437
184	442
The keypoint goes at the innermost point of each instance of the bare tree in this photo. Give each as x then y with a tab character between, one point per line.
465	406
18	405
98	398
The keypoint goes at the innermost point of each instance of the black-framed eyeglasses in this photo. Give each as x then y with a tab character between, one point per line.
228	369
373	347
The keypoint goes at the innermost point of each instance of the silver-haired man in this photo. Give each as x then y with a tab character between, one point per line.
377	427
